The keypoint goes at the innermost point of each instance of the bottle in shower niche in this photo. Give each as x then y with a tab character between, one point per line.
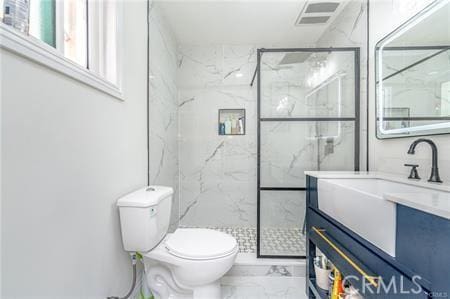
238	127
227	126
234	126
241	126
221	129
16	14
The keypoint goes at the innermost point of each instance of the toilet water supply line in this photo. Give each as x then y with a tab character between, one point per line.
134	257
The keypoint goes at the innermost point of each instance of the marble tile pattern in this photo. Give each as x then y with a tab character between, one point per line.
217	173
290	84
163	108
216	176
290	148
259	269
282	241
283	210
234	287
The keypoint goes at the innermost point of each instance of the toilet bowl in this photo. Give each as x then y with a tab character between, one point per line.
189	264
185	264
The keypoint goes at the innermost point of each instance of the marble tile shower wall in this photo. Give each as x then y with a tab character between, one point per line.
290	148
163	108
217	173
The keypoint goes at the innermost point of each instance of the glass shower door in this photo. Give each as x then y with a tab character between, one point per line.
308	106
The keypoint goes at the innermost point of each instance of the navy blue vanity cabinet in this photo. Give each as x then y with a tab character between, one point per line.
423	244
357	258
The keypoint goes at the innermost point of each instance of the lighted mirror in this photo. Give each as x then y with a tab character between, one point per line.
413	76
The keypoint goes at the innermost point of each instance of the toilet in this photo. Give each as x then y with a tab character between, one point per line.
187	263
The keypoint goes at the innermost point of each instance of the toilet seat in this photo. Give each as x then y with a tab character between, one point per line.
200	244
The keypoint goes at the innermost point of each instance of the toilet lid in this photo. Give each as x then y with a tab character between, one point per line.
200	243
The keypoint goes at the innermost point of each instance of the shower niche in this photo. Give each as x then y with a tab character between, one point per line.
231	122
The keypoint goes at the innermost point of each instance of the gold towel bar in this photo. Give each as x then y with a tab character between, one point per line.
369	278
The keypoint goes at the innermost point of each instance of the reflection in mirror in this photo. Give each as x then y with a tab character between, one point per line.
413	76
321	94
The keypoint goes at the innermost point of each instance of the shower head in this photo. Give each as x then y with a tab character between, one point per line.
294	57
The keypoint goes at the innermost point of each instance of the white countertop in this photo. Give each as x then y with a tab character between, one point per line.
433	203
435	198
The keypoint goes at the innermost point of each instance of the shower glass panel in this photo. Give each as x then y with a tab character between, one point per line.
282	216
317	84
290	148
308	106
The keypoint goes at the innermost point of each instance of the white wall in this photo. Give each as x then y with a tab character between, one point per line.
68	152
390	155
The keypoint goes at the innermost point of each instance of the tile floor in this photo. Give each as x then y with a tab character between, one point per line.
251	287
282	241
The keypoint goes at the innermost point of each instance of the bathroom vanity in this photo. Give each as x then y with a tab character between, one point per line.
389	236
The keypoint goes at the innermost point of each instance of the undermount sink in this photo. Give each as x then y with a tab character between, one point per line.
361	205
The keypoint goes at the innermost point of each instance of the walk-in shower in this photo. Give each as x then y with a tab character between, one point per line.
301	114
307	119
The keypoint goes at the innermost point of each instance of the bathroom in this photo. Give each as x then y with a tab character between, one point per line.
251	117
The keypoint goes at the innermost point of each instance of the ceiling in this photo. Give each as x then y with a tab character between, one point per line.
260	22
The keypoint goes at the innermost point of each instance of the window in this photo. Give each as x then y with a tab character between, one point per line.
83	31
42	21
75	33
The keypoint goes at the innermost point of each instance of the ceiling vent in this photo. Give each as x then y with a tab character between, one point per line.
321	7
313	20
317	12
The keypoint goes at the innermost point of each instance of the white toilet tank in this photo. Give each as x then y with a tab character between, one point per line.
145	217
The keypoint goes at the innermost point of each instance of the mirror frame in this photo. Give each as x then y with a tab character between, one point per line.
411	22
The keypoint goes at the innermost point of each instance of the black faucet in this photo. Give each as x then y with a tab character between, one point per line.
434	177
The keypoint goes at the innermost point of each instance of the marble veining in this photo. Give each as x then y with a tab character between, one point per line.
349	29
234	287
163	108
217	173
278	271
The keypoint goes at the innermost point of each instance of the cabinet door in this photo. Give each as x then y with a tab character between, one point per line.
429	257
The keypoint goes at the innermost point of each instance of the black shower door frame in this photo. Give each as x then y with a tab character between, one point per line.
355	119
